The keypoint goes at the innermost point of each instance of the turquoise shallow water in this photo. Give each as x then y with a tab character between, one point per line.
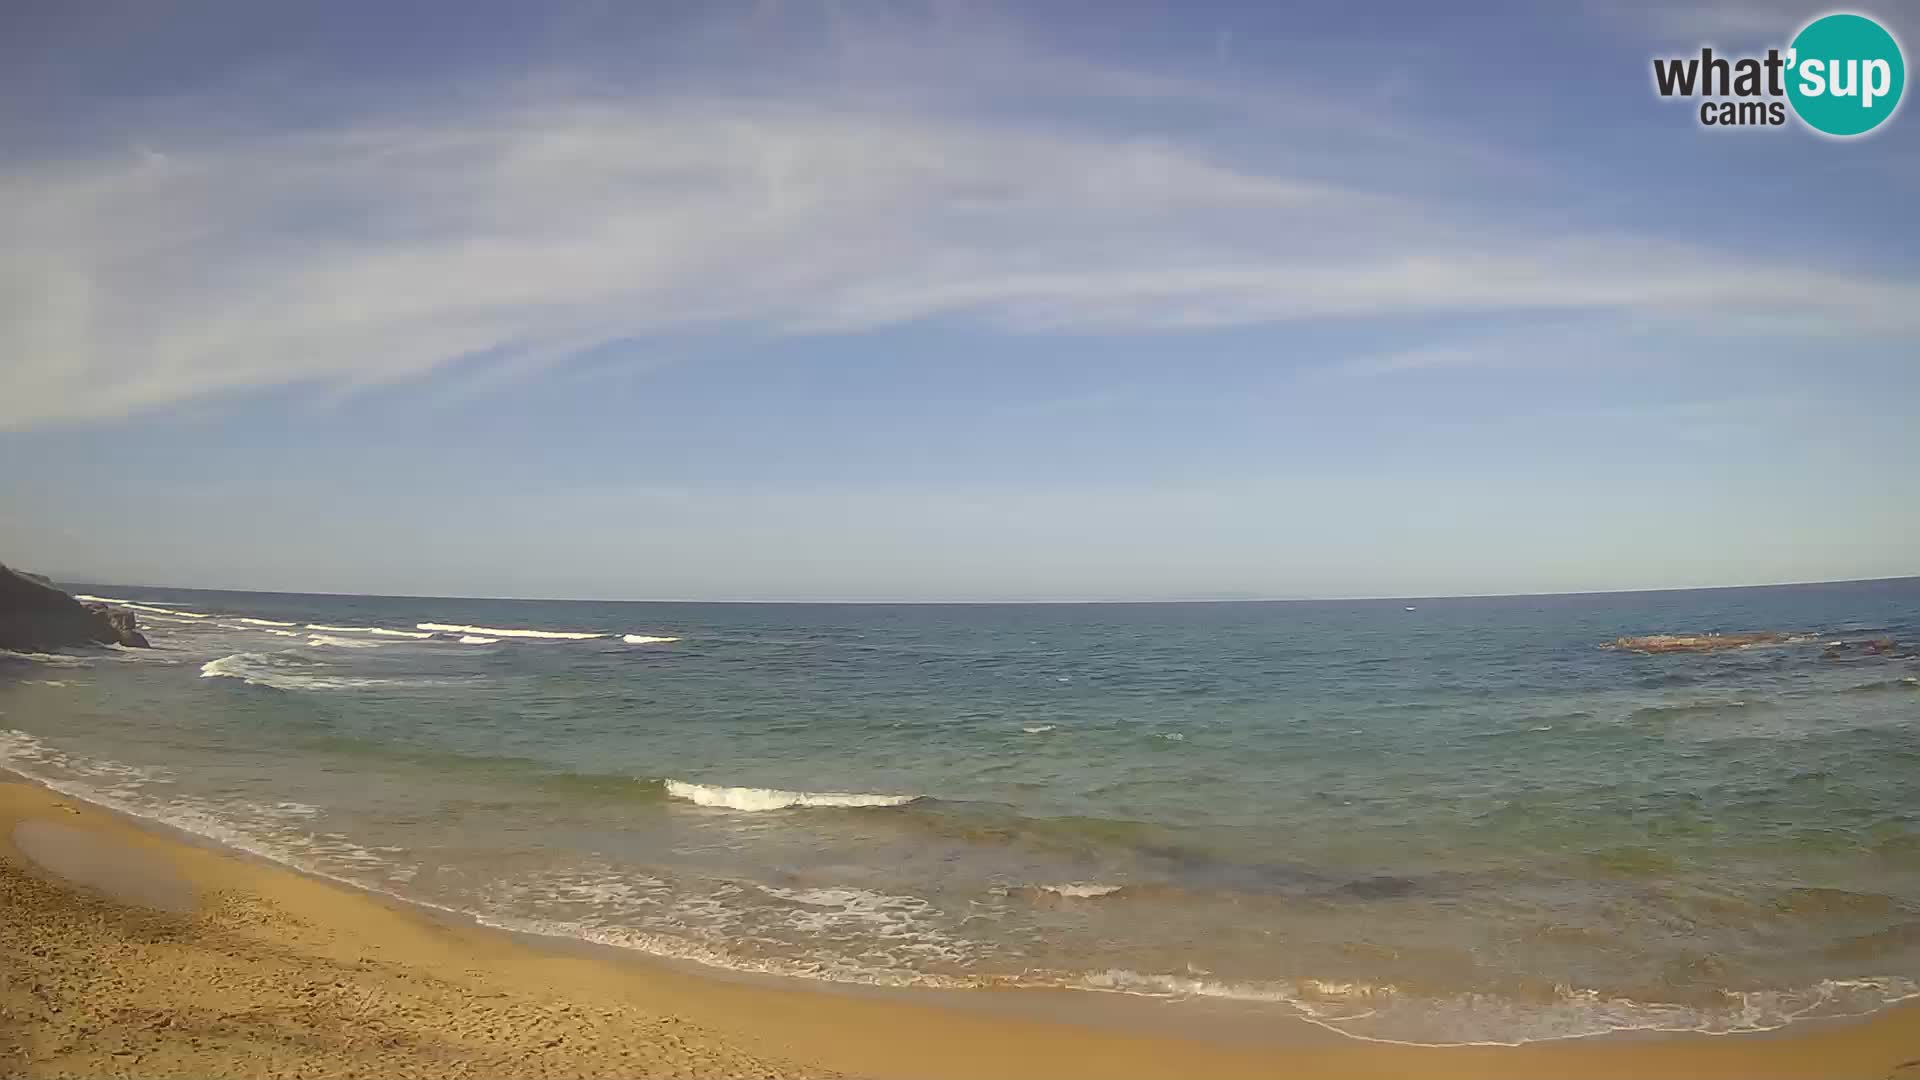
1426	820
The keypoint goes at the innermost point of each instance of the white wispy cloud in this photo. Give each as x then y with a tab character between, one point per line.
513	234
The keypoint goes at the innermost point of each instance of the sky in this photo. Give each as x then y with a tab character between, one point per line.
810	300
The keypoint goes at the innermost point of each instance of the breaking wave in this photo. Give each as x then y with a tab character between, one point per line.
49	659
267	622
476	639
491	631
280	672
169	611
381	630
341	642
753	799
1081	890
646	639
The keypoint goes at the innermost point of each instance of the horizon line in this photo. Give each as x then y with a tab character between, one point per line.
1013	603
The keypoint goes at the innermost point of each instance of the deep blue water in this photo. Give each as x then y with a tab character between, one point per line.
1427	820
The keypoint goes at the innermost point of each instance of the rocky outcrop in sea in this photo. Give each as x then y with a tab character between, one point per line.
36	617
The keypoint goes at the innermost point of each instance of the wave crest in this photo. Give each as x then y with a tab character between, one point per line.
753	799
646	639
279	672
491	631
1081	890
168	611
340	642
49	659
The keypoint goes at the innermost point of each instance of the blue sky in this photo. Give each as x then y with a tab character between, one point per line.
941	301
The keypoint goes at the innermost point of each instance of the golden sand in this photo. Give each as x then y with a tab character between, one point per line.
128	952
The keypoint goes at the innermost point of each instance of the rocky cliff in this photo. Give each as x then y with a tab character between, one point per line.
36	617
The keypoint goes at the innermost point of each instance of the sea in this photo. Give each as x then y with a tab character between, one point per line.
1428	821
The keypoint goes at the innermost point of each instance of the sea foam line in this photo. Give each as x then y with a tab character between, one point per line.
491	631
1577	1013
646	639
753	800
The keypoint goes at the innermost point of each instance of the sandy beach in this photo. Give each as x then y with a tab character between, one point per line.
127	952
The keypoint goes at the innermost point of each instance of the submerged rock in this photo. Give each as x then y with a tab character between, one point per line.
36	617
1380	887
1847	650
1666	643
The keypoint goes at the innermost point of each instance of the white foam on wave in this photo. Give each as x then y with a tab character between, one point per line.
262	669
153	654
1082	890
49	659
165	611
646	639
381	630
1039	729
33	756
752	800
267	622
97	599
490	631
341	642
283	633
476	639
1380	1013
280	832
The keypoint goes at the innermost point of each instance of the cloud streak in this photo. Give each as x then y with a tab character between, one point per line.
514	234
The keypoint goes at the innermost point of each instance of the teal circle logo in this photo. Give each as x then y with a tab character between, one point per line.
1845	74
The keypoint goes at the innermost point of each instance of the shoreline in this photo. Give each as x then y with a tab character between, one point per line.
1223	1019
419	975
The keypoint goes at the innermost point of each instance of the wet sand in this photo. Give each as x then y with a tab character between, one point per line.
130	951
